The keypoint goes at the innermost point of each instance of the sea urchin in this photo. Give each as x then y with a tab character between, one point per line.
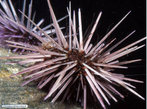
10	29
74	65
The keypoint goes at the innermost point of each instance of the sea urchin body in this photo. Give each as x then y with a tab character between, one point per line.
74	65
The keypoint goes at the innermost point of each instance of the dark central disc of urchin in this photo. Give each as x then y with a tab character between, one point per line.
76	55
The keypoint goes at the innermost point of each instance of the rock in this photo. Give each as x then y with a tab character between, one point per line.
11	92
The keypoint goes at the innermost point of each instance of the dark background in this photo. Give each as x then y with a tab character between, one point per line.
113	11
